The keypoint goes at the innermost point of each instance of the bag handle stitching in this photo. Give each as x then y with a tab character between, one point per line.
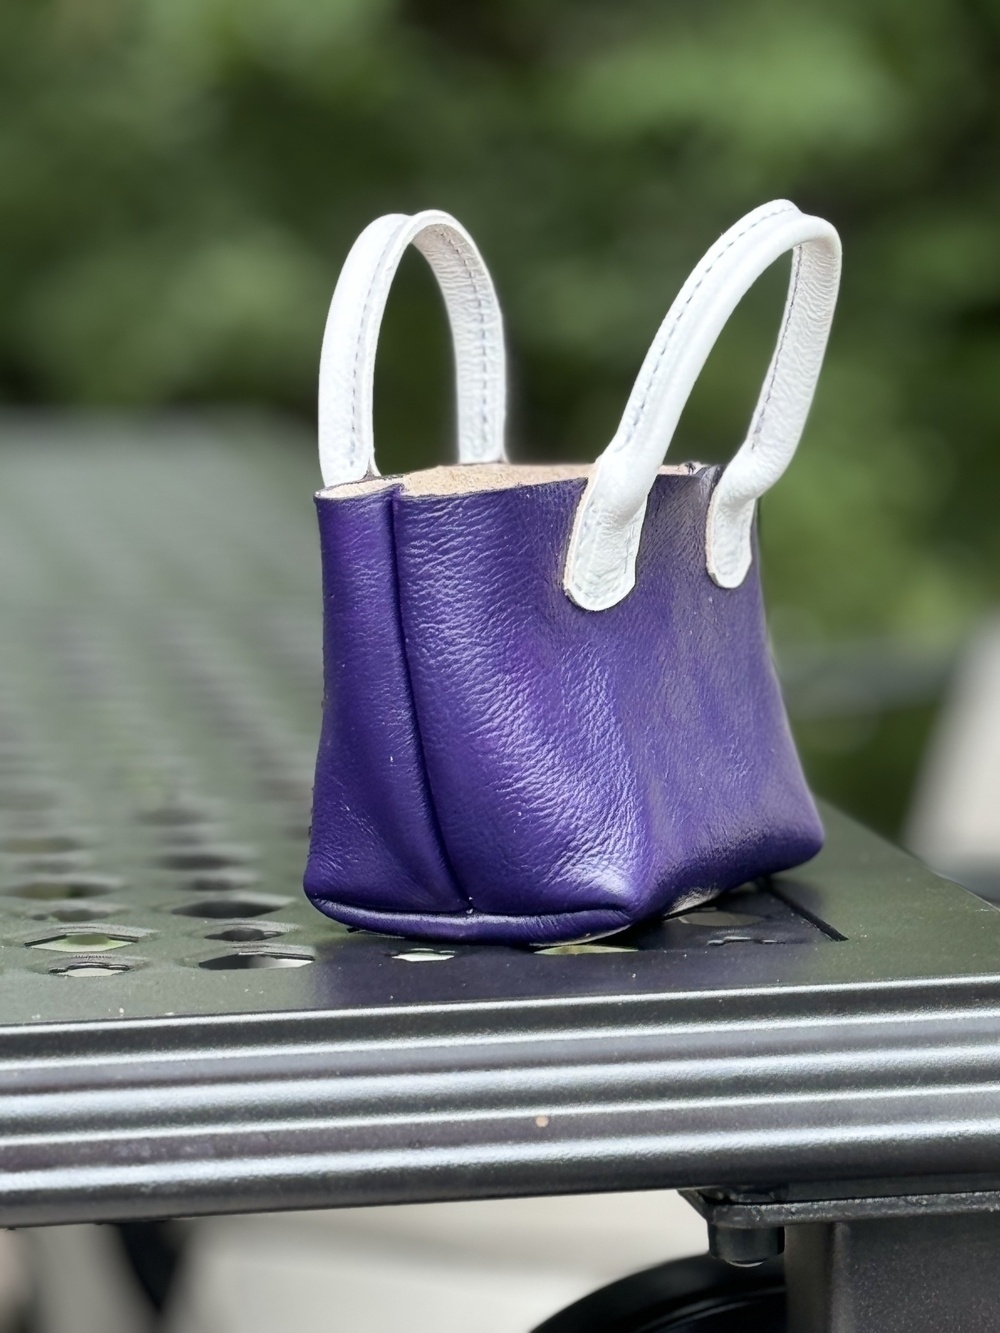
654	374
483	351
479	352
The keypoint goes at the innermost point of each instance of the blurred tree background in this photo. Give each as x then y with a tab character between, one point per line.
180	180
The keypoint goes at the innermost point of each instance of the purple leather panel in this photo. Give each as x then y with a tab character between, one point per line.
374	839
585	769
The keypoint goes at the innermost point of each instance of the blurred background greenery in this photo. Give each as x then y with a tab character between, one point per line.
180	181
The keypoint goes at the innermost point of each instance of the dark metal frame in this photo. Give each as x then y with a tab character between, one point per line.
863	1260
498	1072
817	1062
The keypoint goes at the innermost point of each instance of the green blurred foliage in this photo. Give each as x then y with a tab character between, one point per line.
180	180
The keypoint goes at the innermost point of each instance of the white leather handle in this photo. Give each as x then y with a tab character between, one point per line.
347	361
600	566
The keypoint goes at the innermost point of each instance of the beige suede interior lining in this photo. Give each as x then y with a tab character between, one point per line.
467	478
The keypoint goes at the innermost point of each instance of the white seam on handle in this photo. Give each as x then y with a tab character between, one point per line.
350	341
481	405
600	564
649	373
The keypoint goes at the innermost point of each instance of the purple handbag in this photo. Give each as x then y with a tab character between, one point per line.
550	708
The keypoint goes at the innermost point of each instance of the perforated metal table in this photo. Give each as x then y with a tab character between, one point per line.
182	1034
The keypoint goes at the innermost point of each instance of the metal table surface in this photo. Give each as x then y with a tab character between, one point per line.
180	1033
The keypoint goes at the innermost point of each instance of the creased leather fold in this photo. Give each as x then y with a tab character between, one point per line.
374	840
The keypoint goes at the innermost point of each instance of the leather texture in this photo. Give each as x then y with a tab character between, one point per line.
498	762
347	360
375	833
600	567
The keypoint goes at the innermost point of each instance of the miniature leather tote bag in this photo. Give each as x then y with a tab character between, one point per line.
550	708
